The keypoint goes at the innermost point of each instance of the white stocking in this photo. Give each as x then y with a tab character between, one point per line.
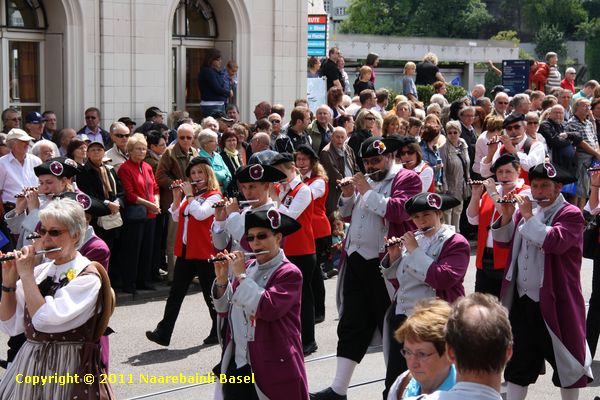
569	394
343	374
515	392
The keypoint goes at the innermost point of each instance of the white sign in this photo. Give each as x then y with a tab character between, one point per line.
316	92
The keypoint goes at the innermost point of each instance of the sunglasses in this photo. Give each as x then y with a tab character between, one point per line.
122	135
51	232
185	137
533	123
502	102
275	121
512	127
260	236
407	152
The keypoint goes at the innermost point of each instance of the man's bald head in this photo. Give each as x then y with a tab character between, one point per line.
260	141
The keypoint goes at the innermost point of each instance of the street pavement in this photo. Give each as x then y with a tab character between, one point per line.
133	357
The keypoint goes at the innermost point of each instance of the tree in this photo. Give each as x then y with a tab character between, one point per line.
549	38
564	15
448	18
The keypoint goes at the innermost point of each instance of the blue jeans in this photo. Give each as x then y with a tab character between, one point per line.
207	111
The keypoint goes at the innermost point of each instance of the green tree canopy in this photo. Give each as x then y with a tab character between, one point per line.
433	18
565	15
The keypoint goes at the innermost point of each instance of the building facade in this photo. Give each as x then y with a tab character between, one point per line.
123	56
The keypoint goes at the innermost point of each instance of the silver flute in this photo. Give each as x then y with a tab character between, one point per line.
505	201
12	256
223	258
194	183
417	232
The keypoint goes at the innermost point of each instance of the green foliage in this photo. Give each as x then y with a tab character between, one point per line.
588	29
564	15
523	55
491	80
507	35
433	18
550	38
453	93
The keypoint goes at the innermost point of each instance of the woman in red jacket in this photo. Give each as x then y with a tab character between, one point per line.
314	175
193	245
141	206
296	201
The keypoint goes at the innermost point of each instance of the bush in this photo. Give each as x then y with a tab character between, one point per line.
549	38
453	93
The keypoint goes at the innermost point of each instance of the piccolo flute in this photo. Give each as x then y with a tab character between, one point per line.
417	232
11	256
25	189
181	184
33	235
241	203
507	201
223	258
346	183
472	182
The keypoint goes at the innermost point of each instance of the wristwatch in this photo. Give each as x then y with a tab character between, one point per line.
242	276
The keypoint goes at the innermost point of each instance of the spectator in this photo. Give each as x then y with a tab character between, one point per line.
372	62
494	128
278	109
365	125
383	96
440	89
434	108
45	150
428	71
587	92
142	204
296	134
231	158
500	104
391	125
569	81
129	123
477	92
404	110
10	119
233	112
34	125
478	121
153	116
335	98
414	127
171	167
363	82
313	67
50	129
536	97
549	101
532	120
411	157
485	103
553	74
339	162
275	121
346	122
77	151
232	69
214	88
466	115
118	154
208	140
3	147
521	103
156	148
456	161
565	98
320	129
341	63
596	113
63	138
409	89
92	127
331	71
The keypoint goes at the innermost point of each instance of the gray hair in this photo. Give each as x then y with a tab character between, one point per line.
453	124
465	109
432	106
118	125
69	213
36	149
205	135
206	120
518	99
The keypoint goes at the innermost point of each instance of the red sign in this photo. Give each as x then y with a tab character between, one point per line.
317	19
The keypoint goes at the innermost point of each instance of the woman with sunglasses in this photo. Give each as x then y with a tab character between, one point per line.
427	263
409	155
295	200
424	349
192	207
314	175
57	305
261	303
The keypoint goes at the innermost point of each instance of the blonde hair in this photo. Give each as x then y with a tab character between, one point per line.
212	183
409	65
432	58
134	139
364	70
426	324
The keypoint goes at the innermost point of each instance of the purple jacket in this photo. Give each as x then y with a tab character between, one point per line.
406	184
561	299
276	353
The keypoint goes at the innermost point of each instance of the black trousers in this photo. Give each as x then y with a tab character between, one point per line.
396	362
185	271
306	264
365	302
323	245
137	246
488	279
593	315
238	391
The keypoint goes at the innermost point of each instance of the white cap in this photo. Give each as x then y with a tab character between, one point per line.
18	134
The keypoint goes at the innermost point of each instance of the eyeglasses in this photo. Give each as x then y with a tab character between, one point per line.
512	127
502	102
122	135
452	133
419	355
275	121
185	138
533	123
407	152
51	232
90	117
259	236
14	119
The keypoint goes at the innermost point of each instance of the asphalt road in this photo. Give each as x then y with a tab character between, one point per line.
135	361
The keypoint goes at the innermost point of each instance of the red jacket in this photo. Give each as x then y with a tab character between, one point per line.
138	181
199	241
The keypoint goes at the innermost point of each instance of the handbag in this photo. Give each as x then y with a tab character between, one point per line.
111	221
135	213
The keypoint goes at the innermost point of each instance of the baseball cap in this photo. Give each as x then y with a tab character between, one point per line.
34	117
18	134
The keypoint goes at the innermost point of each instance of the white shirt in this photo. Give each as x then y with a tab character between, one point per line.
14	176
299	203
536	156
69	308
464	391
317	187
481	150
198	207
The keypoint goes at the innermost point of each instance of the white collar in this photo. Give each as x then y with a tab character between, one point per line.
60	271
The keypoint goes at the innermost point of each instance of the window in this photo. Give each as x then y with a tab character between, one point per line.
327	5
194	31
22	26
340	11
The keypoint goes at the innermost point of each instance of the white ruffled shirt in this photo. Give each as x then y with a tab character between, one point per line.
69	308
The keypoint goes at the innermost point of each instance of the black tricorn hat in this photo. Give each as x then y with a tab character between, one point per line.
89	205
430	201
550	171
61	167
259	173
375	146
504	159
308	151
271	219
196	161
281	158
